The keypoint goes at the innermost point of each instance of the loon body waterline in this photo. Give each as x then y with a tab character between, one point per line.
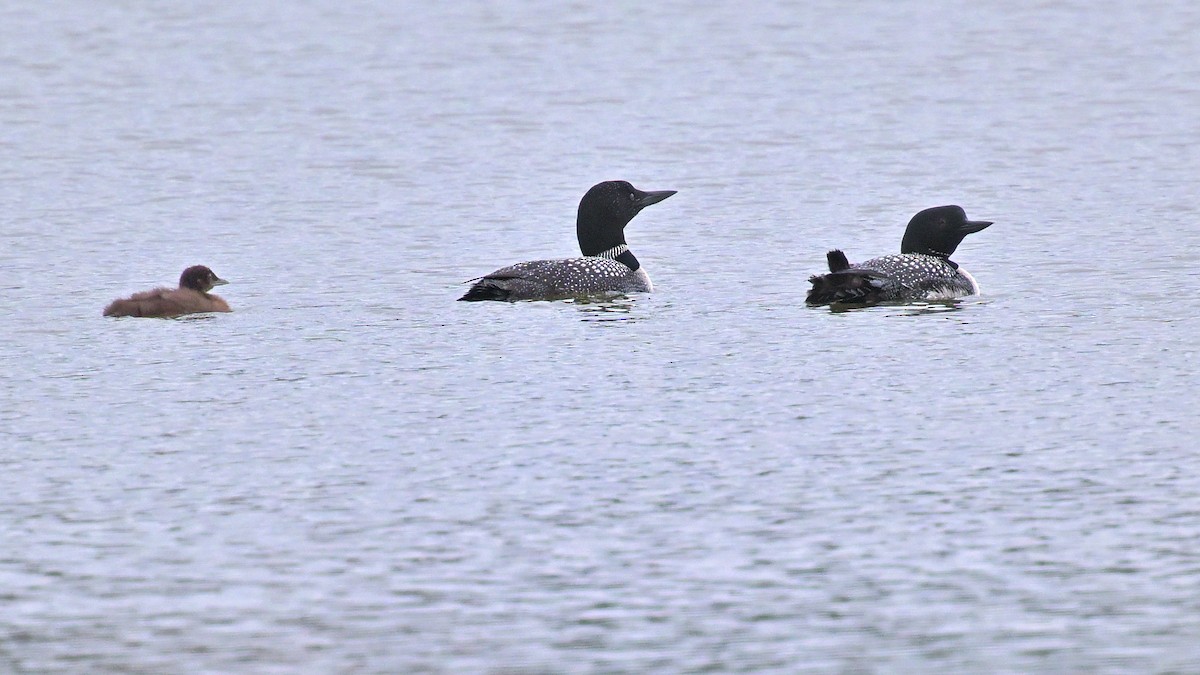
921	271
608	266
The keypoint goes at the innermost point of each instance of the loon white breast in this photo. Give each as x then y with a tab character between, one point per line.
921	271
608	266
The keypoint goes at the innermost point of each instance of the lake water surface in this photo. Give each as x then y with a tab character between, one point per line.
352	472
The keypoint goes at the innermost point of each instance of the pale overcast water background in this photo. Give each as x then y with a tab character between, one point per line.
354	473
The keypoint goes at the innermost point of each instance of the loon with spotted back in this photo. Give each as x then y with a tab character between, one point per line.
921	271
608	266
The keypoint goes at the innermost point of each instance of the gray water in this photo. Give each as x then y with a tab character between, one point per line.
352	472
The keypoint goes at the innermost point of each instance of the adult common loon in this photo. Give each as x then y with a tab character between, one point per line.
191	297
608	266
922	270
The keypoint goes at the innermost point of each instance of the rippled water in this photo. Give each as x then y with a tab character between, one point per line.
354	473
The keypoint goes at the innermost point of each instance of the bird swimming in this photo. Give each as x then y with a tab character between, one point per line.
608	266
921	271
191	297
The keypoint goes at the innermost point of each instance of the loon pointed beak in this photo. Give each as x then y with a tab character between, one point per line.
648	198
972	226
218	281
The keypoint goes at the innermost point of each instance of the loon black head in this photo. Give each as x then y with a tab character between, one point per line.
200	278
605	211
939	230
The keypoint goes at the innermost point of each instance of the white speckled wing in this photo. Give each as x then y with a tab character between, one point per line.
569	277
914	276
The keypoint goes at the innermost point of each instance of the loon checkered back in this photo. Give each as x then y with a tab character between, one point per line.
565	278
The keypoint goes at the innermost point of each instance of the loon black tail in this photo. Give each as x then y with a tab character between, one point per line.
486	289
837	261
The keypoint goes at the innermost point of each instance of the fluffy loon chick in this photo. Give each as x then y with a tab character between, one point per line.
191	297
922	270
608	266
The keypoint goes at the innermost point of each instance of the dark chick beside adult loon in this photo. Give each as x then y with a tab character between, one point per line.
608	266
191	297
922	270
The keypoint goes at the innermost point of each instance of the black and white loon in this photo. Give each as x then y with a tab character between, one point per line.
608	266
922	270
